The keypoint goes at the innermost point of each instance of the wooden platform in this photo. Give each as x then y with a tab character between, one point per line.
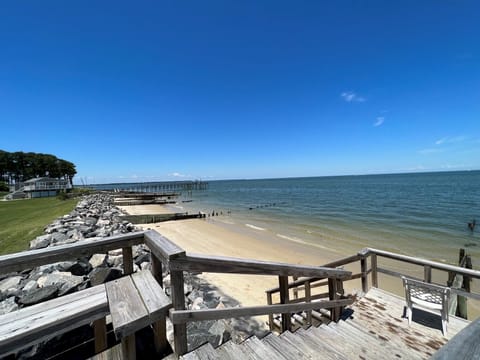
372	328
382	314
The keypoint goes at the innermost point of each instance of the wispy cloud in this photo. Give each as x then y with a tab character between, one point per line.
450	140
350	96
380	121
430	151
178	175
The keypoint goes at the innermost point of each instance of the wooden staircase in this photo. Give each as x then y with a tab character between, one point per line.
340	340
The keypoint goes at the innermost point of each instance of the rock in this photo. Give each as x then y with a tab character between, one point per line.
100	275
143	257
40	242
30	285
58	237
8	305
115	261
146	266
115	252
38	295
80	268
98	260
91	221
65	281
218	328
9	284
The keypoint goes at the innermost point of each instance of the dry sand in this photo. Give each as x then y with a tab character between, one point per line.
213	236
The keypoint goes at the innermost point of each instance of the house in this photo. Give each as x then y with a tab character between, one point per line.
43	187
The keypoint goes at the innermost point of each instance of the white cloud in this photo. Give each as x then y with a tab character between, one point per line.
450	140
350	96
380	121
178	175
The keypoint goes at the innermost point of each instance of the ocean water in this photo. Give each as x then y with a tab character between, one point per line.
421	214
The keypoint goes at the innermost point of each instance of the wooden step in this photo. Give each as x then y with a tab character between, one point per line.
282	347
324	349
296	342
260	349
204	352
230	351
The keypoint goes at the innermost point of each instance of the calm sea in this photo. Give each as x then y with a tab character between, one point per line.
422	214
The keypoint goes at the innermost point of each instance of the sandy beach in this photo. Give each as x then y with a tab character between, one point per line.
213	236
218	236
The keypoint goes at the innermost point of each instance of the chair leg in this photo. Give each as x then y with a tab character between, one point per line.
409	314
444	327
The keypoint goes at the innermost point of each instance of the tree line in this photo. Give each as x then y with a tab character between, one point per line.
20	166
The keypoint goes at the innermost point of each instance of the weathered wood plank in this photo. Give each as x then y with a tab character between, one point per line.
31	258
161	247
178	300
43	321
282	347
153	296
422	262
284	299
204	352
114	353
183	316
463	346
126	307
127	260
219	264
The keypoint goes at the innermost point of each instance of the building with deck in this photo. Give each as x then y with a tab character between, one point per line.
40	187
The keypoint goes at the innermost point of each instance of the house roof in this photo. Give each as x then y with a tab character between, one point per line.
41	179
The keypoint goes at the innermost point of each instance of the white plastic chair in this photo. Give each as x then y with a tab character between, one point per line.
427	295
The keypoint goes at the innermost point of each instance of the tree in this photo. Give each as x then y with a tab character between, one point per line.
19	166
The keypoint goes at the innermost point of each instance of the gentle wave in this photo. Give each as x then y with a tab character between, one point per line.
299	241
255	227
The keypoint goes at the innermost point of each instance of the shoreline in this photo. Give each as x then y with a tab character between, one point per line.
223	236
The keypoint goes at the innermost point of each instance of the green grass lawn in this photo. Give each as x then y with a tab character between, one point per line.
23	220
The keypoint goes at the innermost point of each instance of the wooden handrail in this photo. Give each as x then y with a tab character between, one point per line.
423	262
31	258
184	316
333	264
161	247
228	265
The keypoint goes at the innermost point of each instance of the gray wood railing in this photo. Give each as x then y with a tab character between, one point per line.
166	254
306	284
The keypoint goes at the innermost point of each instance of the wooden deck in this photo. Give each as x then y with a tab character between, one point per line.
382	314
374	327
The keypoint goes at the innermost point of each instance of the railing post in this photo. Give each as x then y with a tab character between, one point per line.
178	302
363	269
332	294
159	327
308	298
270	316
127	260
284	299
427	273
373	265
100	333
295	289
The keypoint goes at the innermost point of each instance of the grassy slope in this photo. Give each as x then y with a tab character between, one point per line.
23	220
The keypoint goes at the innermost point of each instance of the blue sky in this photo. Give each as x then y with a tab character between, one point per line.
164	90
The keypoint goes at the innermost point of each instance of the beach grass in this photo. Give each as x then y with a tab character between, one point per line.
23	220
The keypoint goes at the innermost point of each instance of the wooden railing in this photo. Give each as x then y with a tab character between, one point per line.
363	258
177	261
